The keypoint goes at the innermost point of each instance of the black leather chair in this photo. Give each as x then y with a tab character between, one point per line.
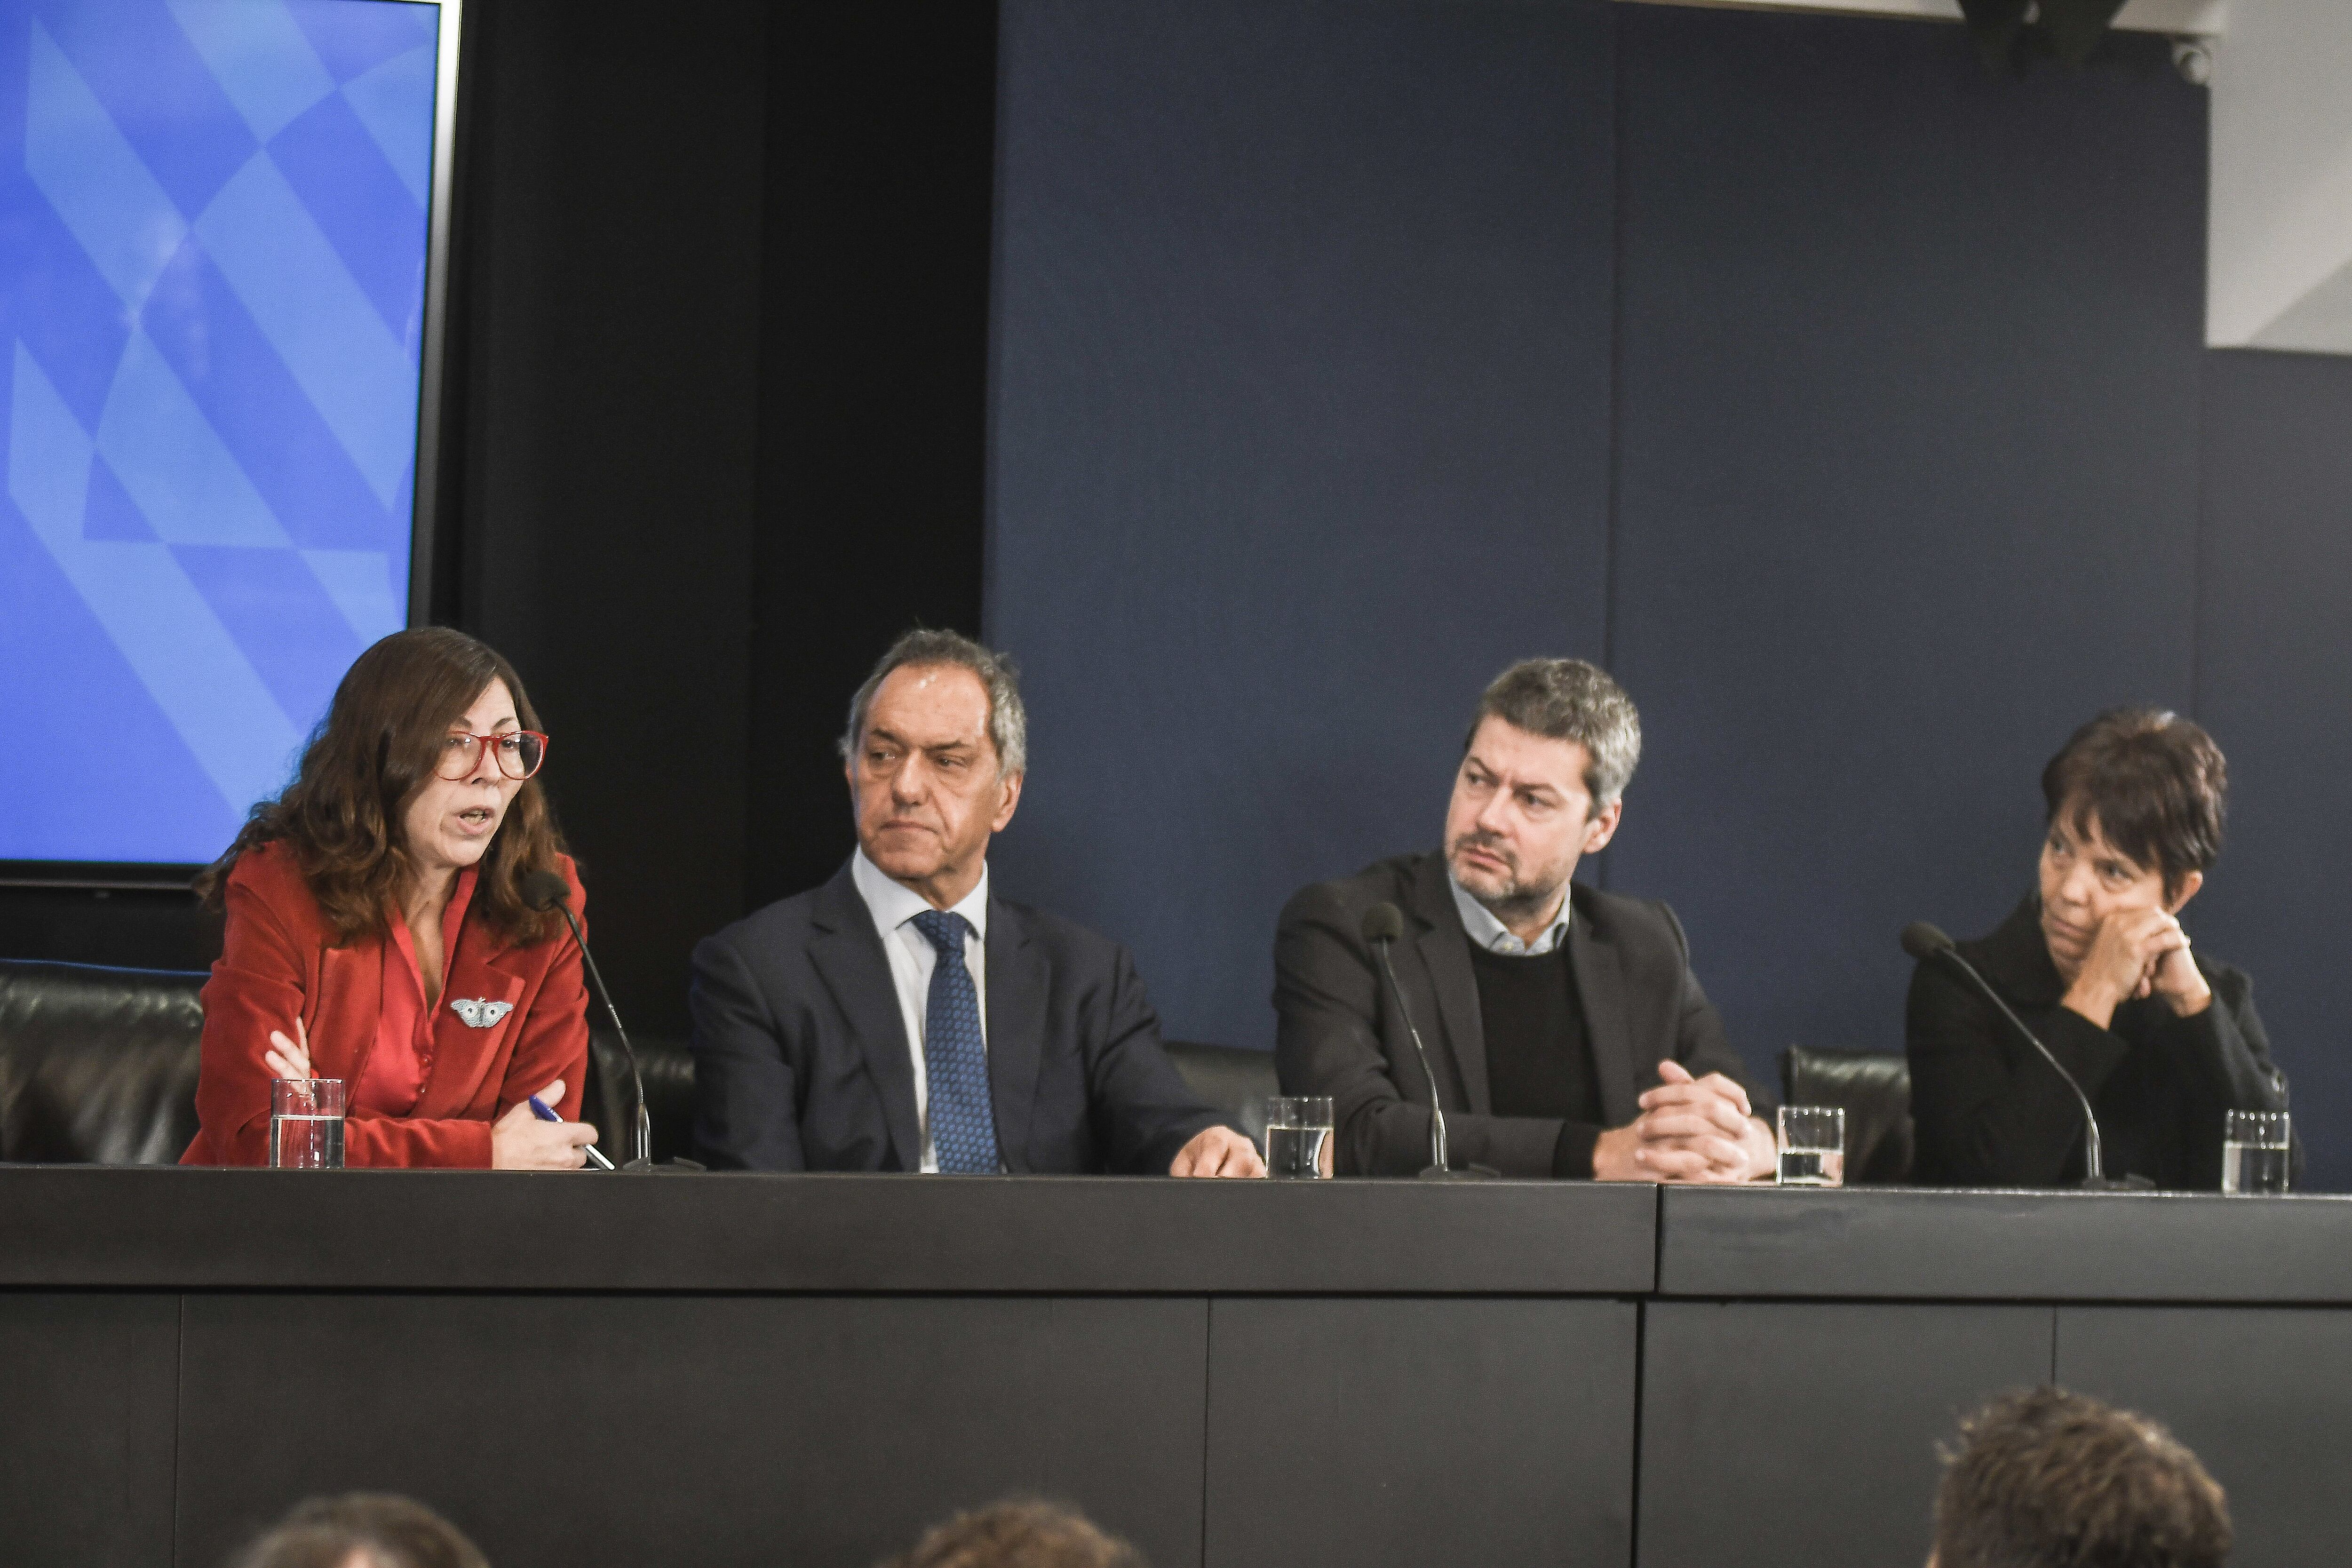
1230	1077
609	1102
98	1065
1875	1088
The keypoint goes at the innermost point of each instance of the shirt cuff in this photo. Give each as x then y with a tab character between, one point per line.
1571	1157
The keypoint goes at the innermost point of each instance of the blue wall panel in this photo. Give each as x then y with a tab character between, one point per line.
1301	414
2272	688
1907	480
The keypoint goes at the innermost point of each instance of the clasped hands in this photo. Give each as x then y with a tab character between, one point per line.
519	1140
2135	953
1222	1152
1690	1129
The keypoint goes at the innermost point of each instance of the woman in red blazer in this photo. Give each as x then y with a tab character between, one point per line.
377	931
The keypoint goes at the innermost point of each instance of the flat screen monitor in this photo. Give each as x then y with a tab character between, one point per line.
222	236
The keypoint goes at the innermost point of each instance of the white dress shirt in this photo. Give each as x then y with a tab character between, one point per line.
894	907
1495	936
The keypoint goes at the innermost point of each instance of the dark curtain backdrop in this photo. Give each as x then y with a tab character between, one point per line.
611	300
1850	400
873	388
724	434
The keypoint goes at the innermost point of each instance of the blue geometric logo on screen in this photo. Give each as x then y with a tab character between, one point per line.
213	235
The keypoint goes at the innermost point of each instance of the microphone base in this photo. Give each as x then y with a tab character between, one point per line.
1467	1174
666	1168
2114	1184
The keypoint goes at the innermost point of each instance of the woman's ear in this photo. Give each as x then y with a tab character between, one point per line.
2188	886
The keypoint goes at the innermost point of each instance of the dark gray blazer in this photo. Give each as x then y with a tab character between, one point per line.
1339	1033
802	1062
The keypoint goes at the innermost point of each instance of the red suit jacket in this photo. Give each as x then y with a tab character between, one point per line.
277	963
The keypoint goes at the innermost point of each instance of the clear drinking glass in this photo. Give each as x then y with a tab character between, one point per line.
1812	1145
2256	1151
305	1124
1298	1136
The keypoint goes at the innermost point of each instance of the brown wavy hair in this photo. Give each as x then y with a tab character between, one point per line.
367	762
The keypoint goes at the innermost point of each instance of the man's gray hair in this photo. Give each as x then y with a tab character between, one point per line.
1008	720
1568	700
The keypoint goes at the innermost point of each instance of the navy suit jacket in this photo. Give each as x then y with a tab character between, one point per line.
802	1061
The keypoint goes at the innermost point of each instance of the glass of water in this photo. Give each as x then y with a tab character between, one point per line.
2256	1151
305	1124
1298	1136
1812	1145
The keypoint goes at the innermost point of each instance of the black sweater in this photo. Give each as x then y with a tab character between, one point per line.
1539	1053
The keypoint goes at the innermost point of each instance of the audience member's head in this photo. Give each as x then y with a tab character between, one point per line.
362	1530
2051	1479
1019	1534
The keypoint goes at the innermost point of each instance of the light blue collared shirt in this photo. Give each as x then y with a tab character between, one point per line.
1496	937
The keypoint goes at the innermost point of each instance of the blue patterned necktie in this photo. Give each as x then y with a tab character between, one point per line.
955	1055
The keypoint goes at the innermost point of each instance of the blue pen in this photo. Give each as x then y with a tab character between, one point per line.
539	1108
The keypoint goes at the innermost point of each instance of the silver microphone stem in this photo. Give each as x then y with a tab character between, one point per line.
641	1134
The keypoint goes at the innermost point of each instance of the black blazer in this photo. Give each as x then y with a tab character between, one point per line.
802	1061
1988	1111
1339	1033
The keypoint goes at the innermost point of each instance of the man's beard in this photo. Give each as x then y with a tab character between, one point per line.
1519	900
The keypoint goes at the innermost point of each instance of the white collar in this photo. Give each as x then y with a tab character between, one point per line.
1496	937
892	903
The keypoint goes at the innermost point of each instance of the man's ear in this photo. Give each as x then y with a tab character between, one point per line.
1011	784
1602	826
2188	886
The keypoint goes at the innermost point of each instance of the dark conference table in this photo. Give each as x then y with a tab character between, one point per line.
806	1370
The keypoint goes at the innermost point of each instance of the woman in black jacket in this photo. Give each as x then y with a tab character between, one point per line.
2162	1040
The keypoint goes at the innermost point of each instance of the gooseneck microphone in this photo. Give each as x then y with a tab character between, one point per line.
544	890
1923	942
1383	923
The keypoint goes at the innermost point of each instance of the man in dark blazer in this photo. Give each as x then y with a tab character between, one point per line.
901	1017
1564	1027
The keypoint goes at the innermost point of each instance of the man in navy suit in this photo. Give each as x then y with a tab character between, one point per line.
901	1017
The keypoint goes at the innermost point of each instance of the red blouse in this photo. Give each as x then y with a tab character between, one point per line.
403	1058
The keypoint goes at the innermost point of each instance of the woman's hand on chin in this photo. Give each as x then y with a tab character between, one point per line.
521	1141
2133	953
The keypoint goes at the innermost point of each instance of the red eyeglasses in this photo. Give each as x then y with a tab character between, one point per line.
519	751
